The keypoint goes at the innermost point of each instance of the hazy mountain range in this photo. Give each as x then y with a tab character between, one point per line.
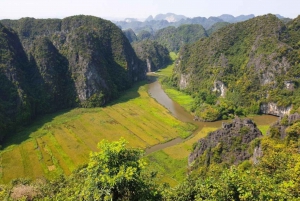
152	24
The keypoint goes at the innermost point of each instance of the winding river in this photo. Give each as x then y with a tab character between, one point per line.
155	91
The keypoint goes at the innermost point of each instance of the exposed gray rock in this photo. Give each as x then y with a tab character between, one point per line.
220	88
274	109
183	81
289	85
234	139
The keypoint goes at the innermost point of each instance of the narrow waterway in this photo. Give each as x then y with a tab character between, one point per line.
155	91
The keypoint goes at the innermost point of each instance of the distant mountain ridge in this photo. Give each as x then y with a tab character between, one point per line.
170	17
232	19
160	21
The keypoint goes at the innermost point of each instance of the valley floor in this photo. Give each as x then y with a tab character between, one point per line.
59	143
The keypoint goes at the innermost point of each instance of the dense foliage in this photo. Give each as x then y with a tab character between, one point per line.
154	55
241	66
173	38
216	27
47	65
144	35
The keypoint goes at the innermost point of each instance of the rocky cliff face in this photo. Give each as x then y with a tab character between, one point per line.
230	144
274	109
53	64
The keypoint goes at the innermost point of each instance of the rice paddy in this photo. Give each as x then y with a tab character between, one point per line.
58	143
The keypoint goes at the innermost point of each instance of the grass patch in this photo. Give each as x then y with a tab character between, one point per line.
183	99
264	129
168	70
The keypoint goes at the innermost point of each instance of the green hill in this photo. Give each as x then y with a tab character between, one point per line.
51	64
244	68
173	38
154	55
216	27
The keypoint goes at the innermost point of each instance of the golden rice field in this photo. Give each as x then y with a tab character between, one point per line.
59	143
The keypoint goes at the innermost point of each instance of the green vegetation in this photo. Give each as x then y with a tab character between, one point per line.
154	55
240	67
216	27
174	38
115	174
144	35
240	57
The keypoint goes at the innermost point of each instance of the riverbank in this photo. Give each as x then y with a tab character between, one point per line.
170	159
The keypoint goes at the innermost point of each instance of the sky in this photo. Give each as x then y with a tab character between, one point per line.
141	9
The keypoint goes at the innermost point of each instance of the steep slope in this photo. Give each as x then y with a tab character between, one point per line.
130	35
216	27
144	35
173	38
244	68
15	104
80	60
154	55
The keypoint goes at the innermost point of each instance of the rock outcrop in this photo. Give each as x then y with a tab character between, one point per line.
274	109
220	88
230	144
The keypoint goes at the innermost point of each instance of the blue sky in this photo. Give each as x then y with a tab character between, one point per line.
117	9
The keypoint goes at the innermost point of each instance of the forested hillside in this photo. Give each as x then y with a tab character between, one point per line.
173	38
243	68
47	65
154	55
